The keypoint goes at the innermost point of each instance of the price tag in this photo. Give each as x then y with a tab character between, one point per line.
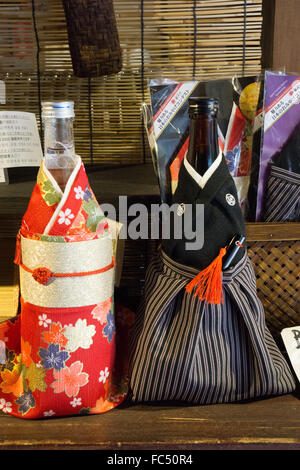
19	140
291	339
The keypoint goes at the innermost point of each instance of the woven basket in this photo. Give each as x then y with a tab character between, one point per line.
93	37
274	250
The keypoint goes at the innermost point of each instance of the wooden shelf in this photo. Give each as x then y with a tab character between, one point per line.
272	423
269	231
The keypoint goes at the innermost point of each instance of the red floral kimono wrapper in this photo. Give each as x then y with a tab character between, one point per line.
59	356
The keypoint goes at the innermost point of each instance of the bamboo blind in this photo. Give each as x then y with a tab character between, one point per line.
159	38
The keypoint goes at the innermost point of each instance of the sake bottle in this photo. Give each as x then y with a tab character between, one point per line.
59	148
203	133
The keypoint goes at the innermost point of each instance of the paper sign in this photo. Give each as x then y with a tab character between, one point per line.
291	339
19	140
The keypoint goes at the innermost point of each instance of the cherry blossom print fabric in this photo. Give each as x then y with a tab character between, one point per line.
65	353
69	216
54	369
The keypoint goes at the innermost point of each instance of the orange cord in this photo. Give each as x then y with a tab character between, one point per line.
42	275
84	273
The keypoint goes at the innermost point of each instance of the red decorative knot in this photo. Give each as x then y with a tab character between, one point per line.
41	275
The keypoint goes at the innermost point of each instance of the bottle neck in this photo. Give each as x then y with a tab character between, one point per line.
203	142
58	136
59	148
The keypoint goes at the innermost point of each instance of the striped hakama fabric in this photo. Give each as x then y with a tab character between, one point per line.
186	350
283	196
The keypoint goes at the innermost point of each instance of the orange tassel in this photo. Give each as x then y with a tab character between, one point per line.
18	254
208	282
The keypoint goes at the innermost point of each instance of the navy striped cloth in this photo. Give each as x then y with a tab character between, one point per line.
283	196
186	350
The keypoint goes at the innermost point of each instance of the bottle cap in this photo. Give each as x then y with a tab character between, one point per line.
57	109
203	105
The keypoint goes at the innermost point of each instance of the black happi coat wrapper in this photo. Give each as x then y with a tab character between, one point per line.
177	351
222	221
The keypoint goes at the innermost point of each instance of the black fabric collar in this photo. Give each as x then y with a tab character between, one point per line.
189	191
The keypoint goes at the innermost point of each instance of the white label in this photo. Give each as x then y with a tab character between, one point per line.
170	107
2	92
282	104
19	140
291	339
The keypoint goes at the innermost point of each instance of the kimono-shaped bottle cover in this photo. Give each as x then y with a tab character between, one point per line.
58	356
200	334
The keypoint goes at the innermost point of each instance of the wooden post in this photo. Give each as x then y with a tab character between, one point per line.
280	35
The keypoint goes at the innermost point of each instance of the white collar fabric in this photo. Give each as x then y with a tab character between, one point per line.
202	180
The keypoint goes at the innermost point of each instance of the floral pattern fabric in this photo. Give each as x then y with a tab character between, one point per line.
80	218
64	361
55	370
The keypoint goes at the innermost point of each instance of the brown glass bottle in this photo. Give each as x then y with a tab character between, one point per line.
203	133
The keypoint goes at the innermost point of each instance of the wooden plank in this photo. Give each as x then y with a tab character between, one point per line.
286	30
271	423
280	231
267	33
